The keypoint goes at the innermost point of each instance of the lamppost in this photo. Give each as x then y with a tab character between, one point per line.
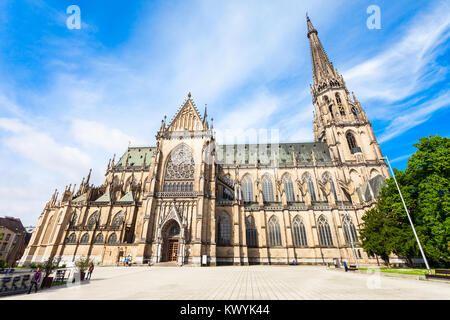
409	217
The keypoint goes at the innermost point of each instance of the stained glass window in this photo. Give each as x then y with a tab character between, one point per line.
288	188
274	232
181	164
99	238
267	189
112	239
299	233
85	238
224	236
250	230
247	189
350	230
325	232
118	219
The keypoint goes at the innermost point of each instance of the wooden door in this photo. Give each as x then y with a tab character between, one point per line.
172	253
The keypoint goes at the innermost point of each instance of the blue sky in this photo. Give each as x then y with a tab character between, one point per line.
70	99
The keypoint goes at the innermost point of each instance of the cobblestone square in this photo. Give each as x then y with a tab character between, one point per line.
243	283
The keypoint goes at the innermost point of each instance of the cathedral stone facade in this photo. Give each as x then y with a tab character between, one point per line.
188	200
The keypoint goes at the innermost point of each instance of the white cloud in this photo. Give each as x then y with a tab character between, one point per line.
414	117
43	149
95	134
400	70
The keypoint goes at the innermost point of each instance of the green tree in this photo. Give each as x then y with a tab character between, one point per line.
425	188
373	237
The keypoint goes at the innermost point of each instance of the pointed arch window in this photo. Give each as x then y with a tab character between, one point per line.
118	219
112	239
73	221
99	238
267	189
308	180
325	238
84	239
274	232
251	234
72	238
327	178
330	107
351	140
247	189
338	98
350	230
288	188
299	233
224	228
93	219
355	112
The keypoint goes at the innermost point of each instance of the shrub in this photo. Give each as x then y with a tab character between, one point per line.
49	265
83	263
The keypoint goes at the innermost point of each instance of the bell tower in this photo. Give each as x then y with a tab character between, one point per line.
339	119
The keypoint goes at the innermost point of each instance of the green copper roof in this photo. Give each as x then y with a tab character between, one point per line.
250	153
127	198
104	198
80	198
136	156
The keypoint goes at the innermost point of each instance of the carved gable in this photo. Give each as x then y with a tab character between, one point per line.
187	118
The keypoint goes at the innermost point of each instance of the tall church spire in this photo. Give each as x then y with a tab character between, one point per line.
322	68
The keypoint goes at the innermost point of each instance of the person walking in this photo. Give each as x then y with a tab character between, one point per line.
35	280
89	274
345	266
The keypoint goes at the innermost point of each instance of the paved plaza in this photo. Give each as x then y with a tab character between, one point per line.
250	282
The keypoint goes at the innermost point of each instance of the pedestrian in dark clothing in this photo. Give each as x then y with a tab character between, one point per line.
35	280
345	266
89	274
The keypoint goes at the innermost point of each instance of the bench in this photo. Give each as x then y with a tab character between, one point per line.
440	274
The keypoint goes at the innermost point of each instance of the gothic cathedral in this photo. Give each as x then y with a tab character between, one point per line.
188	200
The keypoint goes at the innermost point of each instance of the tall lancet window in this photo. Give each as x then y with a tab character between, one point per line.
267	189
288	188
338	98
327	178
224	228
180	170
308	180
355	112
274	232
299	233
250	230
352	143
350	230
325	238
247	189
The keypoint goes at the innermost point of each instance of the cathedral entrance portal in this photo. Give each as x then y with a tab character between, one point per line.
171	241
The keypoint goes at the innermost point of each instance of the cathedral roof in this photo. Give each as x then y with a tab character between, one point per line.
136	156
245	153
104	198
283	152
80	198
128	197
